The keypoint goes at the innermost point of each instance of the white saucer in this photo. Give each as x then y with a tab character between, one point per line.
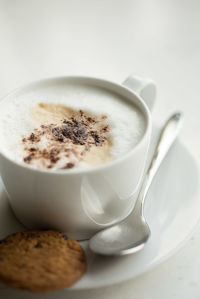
172	210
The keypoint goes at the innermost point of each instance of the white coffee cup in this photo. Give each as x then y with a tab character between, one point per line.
81	202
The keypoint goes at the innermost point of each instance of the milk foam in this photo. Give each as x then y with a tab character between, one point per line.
127	123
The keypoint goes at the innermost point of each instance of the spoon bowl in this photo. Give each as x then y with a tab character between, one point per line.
121	239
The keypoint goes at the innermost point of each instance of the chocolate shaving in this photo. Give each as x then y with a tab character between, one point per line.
69	165
75	136
34	138
28	159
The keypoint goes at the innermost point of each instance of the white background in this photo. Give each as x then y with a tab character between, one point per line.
111	39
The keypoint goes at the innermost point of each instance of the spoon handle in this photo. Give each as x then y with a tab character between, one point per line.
166	139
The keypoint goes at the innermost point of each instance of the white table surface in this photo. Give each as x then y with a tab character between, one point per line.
111	39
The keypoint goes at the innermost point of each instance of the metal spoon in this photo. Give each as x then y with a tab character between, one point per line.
131	234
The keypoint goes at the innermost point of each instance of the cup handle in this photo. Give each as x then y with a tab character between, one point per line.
144	87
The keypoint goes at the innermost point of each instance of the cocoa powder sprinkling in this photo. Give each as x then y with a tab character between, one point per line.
74	136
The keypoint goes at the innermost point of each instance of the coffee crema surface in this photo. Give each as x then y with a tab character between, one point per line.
68	126
66	137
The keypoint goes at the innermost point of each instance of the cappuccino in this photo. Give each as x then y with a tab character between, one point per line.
68	126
